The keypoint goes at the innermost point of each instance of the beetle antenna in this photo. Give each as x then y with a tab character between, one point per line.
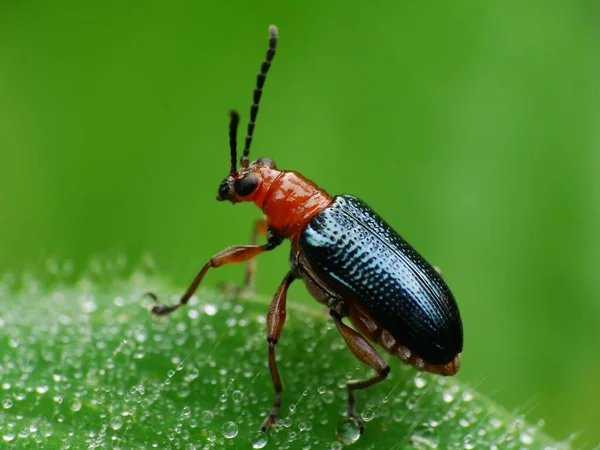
233	127
260	82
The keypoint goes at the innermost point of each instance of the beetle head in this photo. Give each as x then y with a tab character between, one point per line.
241	186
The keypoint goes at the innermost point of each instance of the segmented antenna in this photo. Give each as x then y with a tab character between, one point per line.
260	82
233	127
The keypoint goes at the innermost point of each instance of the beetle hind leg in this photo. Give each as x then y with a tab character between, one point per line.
367	354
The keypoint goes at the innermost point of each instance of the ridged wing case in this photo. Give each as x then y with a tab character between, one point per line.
354	248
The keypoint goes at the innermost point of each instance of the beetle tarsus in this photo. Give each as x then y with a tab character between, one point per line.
152	295
163	310
160	309
352	409
271	419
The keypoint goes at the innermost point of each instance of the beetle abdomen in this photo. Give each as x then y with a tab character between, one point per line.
355	249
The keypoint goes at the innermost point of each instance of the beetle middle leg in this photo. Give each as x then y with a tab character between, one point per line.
366	353
259	229
231	255
275	320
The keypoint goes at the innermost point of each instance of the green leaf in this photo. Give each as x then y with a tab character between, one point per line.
88	366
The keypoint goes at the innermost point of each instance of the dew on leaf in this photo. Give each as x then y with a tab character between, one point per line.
8	437
367	415
76	405
259	439
237	396
348	431
229	430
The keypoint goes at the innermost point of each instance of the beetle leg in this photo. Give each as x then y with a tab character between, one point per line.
231	255
366	353
260	228
275	321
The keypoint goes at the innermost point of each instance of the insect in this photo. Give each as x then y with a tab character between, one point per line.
349	258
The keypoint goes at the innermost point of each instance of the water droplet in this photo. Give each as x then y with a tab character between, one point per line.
367	415
9	437
259	439
425	437
209	309
7	403
321	389
46	429
540	423
420	382
336	446
348	431
229	430
292	407
89	305
207	416
526	438
116	423
286	422
496	423
186	411
237	396
448	396
76	405
42	389
327	397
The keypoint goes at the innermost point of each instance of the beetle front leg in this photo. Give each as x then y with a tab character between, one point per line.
366	353
231	255
275	320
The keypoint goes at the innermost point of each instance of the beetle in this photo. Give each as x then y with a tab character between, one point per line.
350	260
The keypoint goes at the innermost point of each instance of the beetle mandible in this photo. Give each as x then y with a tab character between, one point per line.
350	259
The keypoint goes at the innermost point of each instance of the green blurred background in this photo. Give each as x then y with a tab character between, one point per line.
471	127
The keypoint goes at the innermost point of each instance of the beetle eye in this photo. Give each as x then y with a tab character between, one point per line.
266	161
245	186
